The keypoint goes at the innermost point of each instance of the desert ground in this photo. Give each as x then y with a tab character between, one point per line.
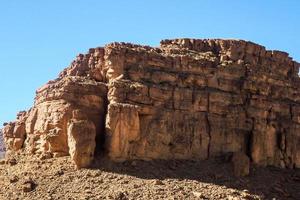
33	177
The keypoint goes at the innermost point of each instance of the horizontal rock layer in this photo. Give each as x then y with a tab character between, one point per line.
187	99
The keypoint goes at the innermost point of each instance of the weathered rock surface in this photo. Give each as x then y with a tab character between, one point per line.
187	99
241	164
81	140
46	127
2	147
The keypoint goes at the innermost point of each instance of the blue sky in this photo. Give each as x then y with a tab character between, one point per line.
40	38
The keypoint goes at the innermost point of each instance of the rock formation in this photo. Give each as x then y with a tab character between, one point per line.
187	99
2	147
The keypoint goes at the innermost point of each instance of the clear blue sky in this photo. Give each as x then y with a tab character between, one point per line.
39	38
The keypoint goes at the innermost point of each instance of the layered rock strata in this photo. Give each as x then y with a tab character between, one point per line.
187	99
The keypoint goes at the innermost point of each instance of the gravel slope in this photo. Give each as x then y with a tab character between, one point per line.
57	179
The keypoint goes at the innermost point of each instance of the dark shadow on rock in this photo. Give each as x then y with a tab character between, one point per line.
269	182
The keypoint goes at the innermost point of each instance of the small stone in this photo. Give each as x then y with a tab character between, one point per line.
121	196
2	162
11	161
158	182
45	156
14	179
28	185
59	172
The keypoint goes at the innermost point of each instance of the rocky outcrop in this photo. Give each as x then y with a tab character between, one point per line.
187	99
2	147
59	108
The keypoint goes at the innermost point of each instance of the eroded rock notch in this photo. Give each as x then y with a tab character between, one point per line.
187	99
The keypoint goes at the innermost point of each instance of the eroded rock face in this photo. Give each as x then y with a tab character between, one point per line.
187	99
2	147
81	139
47	127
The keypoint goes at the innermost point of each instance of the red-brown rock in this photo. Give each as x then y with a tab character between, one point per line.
187	99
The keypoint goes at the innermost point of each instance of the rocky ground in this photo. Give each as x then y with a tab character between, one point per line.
35	178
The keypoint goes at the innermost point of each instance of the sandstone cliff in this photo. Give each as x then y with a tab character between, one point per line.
187	99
